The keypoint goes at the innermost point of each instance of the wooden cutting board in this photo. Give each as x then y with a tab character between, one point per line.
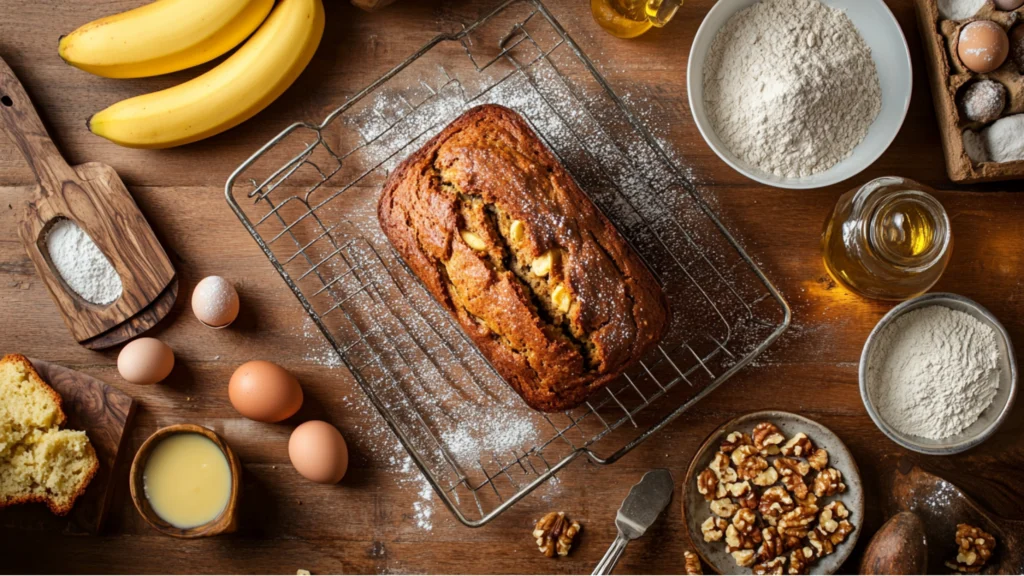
92	196
105	413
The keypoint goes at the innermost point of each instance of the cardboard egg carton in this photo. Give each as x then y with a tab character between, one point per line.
948	77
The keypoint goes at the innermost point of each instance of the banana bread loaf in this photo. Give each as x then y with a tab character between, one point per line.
503	238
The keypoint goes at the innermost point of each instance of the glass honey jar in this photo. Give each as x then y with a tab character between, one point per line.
631	18
889	239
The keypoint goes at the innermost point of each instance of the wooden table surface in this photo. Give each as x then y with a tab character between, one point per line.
377	519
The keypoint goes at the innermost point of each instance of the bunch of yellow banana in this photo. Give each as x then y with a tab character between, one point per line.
171	35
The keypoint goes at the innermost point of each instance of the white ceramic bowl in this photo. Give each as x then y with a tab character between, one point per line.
890	52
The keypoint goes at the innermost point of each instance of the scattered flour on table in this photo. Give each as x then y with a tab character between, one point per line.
81	264
933	372
790	87
960	9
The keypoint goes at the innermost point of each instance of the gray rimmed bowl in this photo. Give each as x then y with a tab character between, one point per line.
990	419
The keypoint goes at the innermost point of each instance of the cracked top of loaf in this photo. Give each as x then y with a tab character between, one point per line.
506	241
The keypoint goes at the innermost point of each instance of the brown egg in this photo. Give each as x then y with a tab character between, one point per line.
145	361
265	392
983	46
318	452
1008	5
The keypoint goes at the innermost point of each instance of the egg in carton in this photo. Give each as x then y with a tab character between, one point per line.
951	79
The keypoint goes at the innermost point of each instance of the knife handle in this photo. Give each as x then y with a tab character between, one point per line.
611	557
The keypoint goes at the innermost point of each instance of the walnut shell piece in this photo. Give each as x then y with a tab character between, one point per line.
554	534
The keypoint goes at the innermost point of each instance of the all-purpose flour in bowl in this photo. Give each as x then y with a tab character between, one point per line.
790	87
933	371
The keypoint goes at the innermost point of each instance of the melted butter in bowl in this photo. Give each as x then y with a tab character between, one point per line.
187	480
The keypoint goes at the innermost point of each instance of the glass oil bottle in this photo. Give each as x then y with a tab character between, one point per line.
889	239
631	18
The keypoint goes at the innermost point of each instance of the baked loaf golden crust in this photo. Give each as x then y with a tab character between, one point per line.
503	238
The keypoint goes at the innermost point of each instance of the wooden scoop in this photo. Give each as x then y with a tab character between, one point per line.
92	196
941	506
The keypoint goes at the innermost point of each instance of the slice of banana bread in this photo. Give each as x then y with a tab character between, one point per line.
503	238
39	462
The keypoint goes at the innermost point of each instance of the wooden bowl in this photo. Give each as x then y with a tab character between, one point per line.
224	523
696	510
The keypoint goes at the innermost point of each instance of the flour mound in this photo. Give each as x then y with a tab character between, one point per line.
790	87
933	372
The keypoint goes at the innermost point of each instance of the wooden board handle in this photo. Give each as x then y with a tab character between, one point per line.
22	125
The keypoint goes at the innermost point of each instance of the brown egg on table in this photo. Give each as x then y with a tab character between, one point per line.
1008	5
265	392
215	302
983	46
145	361
318	452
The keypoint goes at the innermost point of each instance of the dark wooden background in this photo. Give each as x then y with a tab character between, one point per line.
368	523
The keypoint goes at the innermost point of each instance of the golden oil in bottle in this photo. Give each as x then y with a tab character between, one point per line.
889	239
631	18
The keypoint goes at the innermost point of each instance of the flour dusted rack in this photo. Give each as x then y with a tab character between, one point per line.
308	198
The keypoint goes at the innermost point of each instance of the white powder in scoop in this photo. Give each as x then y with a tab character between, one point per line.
933	372
960	9
790	87
81	264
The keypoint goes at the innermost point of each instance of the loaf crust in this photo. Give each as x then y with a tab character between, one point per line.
63	505
556	330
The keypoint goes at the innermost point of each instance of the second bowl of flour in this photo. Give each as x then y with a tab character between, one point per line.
799	93
938	374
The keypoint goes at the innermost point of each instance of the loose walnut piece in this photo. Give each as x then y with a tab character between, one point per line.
828	482
773	566
723	507
713	529
799	445
734	440
691	563
737	489
975	547
720	466
766	435
554	534
707	484
745	521
819	459
800	560
766	478
775	501
771	545
792	473
797	521
744	558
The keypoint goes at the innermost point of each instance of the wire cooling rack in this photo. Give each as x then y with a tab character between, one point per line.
308	198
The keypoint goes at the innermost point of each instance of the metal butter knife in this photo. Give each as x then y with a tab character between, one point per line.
639	510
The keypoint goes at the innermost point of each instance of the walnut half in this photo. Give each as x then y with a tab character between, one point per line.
554	534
